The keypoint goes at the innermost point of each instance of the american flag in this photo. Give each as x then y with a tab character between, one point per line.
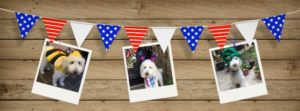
275	25
25	22
220	33
108	33
53	27
136	35
192	35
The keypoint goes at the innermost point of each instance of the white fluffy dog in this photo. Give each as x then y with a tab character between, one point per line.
148	70
237	76
71	65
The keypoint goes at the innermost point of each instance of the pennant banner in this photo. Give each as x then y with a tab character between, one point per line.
275	25
247	29
164	35
192	35
25	22
108	33
81	30
220	33
136	35
53	27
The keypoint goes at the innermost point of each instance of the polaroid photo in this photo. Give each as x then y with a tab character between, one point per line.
149	72
61	71
238	72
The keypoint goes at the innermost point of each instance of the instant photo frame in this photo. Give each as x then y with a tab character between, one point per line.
152	93
243	92
56	92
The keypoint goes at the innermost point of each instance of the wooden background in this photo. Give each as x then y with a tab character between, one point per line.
105	86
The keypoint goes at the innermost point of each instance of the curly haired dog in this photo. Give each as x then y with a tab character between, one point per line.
63	65
151	74
236	73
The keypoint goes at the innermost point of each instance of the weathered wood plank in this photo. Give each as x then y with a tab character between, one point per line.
31	49
114	69
10	30
151	9
117	90
152	105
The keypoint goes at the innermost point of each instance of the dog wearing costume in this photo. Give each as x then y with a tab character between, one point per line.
63	65
151	74
234	62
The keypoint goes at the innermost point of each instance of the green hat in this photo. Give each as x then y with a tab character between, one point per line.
227	55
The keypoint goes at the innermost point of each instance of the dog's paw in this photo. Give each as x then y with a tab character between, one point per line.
54	84
62	84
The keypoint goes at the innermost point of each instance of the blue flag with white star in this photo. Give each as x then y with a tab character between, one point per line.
108	33
275	25
25	22
192	35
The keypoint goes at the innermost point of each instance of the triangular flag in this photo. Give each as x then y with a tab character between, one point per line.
81	30
220	33
192	35
275	25
25	22
136	35
108	33
164	35
53	27
248	29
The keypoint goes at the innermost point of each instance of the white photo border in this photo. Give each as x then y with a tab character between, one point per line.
152	93
244	92
56	92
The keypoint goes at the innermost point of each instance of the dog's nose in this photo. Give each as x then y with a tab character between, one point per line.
234	65
75	71
147	73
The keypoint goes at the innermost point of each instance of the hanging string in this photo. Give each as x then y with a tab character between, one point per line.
149	27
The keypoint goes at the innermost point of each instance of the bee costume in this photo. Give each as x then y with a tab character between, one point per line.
55	55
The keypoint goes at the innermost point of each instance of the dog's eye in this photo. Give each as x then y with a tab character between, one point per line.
150	67
72	62
79	63
144	67
235	58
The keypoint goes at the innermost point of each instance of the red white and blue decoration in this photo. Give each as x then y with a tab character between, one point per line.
220	33
150	82
53	27
81	30
108	33
248	29
164	35
192	35
136	35
25	22
275	24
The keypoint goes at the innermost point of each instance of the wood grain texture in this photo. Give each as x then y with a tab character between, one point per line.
10	30
152	105
117	90
152	9
31	49
114	69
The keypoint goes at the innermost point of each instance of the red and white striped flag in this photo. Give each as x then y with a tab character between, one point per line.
220	33
53	27
136	35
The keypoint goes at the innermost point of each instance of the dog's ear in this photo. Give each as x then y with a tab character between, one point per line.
65	63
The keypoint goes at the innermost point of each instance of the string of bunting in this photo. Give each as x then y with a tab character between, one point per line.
163	34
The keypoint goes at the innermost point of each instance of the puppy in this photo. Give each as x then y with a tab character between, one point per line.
236	73
151	74
63	65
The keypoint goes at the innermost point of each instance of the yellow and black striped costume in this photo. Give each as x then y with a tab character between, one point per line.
54	54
